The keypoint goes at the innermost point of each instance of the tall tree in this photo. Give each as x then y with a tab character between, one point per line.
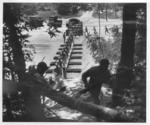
12	36
128	37
124	72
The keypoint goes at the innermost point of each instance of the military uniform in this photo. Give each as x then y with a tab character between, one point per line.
98	76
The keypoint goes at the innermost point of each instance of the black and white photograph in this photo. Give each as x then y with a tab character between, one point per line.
74	62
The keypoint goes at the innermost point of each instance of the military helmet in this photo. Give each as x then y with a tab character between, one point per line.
104	62
42	67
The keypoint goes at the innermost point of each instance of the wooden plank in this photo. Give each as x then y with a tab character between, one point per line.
58	53
76	57
60	49
62	45
77	48
75	63
77	45
77	52
74	70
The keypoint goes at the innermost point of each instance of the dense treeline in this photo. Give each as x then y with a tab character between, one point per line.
70	9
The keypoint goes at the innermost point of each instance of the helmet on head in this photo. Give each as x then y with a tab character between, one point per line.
42	67
104	62
32	69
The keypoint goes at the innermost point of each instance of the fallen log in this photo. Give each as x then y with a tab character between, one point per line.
101	112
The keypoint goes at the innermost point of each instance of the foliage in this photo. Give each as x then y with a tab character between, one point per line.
139	82
42	10
12	38
140	42
106	48
65	9
85	6
112	10
15	52
35	23
29	9
134	98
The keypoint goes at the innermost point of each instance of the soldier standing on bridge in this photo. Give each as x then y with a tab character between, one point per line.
117	30
95	32
64	36
86	32
98	75
71	37
106	30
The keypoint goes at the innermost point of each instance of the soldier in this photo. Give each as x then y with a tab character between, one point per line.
95	32
106	30
64	36
33	87
67	49
86	32
117	30
58	78
71	37
66	53
68	43
98	75
41	68
33	90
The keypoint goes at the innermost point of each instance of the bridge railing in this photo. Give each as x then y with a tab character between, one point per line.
62	57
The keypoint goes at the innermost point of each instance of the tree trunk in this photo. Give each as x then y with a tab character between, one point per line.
18	55
11	20
124	72
101	112
128	37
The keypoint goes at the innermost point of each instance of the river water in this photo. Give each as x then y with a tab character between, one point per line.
45	46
